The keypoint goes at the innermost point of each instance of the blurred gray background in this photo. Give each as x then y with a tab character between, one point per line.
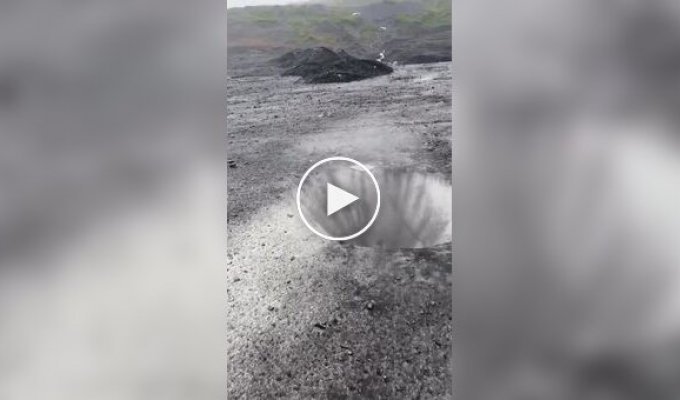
566	189
111	199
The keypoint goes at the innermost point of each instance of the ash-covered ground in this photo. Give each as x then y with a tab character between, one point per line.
313	319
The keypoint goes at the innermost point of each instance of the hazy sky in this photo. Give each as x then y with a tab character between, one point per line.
243	3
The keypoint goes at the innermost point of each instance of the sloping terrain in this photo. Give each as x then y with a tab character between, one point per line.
374	30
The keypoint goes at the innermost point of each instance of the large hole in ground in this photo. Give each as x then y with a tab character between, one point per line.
415	207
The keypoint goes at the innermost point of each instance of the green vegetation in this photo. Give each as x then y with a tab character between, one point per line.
314	26
436	16
360	3
263	17
334	24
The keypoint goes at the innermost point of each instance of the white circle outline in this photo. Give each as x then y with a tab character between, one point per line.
355	162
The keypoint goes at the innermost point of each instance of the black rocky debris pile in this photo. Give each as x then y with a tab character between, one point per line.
323	65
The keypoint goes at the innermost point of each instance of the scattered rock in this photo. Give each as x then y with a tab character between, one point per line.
231	163
370	305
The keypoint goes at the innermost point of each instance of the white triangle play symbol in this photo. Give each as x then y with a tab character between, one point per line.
337	199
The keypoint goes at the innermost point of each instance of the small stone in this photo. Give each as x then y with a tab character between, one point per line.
292	258
370	305
237	279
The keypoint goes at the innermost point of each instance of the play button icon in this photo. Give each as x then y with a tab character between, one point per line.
338	198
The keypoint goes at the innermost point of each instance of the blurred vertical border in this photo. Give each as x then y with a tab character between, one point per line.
112	199
566	199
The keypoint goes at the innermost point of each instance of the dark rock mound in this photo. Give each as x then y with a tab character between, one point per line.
323	65
318	55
